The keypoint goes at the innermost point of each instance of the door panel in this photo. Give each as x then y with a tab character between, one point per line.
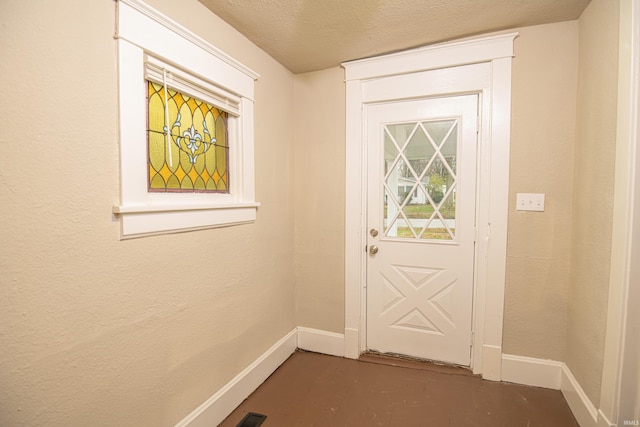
421	216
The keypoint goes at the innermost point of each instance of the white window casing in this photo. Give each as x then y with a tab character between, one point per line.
153	47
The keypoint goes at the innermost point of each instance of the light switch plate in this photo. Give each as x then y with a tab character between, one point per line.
530	202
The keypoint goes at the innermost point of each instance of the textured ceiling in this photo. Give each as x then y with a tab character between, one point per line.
309	35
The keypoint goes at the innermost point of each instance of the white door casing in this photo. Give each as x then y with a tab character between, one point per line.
421	217
481	66
620	390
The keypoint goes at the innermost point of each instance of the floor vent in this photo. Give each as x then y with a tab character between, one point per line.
252	420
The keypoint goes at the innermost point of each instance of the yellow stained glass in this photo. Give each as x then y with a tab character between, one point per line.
189	151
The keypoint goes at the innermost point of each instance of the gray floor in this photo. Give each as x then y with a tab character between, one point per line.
311	389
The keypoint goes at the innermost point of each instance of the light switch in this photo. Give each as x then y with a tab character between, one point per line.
530	202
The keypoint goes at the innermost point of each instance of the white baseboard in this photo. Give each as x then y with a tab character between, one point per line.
321	341
554	375
215	409
531	371
603	421
582	408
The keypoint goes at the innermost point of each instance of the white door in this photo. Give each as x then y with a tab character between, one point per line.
421	227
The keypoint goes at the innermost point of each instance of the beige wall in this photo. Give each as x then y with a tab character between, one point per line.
593	193
101	332
544	90
319	129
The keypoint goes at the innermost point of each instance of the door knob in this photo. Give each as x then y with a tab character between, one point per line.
373	249
373	232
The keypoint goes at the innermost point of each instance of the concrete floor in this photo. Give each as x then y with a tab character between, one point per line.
311	389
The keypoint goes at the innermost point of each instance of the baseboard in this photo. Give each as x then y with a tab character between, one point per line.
215	409
603	421
531	371
321	341
554	375
582	408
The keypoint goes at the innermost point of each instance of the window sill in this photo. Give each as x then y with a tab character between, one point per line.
138	221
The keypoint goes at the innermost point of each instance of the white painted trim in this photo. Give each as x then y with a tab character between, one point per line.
150	222
620	390
531	371
495	89
446	81
450	54
582	408
603	421
321	341
351	345
554	375
173	208
183	32
354	265
145	36
215	409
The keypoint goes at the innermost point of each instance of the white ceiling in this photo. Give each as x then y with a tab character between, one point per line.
309	35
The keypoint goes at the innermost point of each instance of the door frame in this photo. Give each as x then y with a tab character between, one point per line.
481	66
620	389
453	258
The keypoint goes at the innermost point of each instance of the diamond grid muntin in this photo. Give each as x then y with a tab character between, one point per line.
437	162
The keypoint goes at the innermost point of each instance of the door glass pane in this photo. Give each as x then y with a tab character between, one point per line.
420	179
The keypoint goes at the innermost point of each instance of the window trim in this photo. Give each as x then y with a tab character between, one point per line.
145	36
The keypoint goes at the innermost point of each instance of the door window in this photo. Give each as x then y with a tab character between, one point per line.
420	179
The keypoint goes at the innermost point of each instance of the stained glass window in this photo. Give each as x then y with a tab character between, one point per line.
187	143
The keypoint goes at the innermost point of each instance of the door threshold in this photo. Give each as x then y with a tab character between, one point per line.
404	361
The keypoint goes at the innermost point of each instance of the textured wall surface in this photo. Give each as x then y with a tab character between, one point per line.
545	70
593	194
101	332
319	129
